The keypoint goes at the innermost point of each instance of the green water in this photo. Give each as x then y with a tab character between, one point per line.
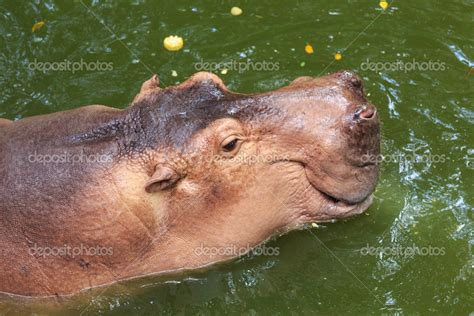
424	199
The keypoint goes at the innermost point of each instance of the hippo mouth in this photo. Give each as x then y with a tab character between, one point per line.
337	207
354	208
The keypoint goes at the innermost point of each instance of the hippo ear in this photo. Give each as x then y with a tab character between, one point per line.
150	84
147	87
163	178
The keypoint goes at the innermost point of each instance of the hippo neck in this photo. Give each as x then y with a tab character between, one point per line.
119	125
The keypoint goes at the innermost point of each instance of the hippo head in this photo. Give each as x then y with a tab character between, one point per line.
231	169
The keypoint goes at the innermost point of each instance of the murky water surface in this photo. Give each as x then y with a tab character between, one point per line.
410	254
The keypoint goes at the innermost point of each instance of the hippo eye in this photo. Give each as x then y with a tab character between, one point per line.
231	144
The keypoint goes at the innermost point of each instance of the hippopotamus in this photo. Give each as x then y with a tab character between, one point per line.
97	195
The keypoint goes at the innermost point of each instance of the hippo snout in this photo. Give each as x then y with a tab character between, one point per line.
338	133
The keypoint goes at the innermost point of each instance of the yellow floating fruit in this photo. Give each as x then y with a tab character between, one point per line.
308	49
173	43
338	56
383	4
37	26
236	11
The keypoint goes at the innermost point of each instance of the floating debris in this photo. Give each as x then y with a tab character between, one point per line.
224	71
314	225
174	73
235	11
37	26
308	49
173	43
302	64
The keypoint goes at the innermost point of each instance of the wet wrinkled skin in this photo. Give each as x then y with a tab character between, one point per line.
183	168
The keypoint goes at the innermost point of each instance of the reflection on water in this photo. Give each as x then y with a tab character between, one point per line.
420	202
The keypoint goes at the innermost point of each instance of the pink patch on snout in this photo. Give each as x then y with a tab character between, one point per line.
368	113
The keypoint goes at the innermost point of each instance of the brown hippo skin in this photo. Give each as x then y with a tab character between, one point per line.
95	195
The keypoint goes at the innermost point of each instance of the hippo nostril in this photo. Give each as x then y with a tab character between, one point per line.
365	112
